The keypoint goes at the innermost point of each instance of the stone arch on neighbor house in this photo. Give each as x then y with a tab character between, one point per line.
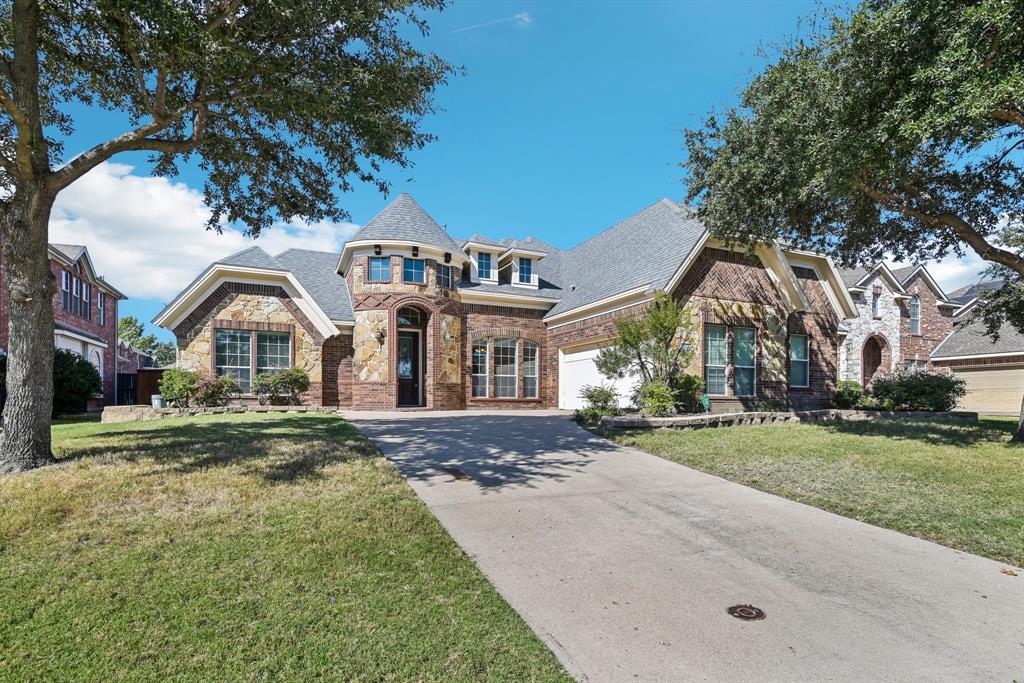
876	357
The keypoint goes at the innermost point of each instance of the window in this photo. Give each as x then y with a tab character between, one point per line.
915	315
412	271
529	370
715	356
76	296
380	269
86	296
744	353
874	304
273	352
65	290
799	361
101	308
233	356
483	265
444	276
525	270
408	317
505	384
480	369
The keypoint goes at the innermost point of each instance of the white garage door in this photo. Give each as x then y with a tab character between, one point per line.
576	369
995	391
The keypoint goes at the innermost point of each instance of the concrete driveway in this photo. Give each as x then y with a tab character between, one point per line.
625	563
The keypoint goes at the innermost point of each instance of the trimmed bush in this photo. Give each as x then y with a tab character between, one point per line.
848	394
178	386
600	401
281	388
928	390
656	399
689	390
213	391
75	381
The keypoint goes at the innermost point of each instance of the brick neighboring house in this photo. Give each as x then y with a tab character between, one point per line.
84	312
992	369
408	316
902	315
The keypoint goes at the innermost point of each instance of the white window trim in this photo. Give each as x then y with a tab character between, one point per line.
492	267
101	308
789	352
753	367
536	368
369	269
256	360
217	367
725	368
915	299
515	369
486	374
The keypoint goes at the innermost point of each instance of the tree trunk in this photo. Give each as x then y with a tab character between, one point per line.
30	288
1018	436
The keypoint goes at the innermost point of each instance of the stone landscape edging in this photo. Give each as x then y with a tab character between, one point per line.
763	418
144	412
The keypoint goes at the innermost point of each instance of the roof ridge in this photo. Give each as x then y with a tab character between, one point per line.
314	251
618	223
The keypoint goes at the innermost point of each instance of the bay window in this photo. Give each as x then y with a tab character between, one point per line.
480	369
505	368
799	361
715	359
529	369
744	353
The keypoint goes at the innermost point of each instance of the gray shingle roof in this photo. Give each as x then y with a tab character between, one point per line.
903	274
404	219
253	257
851	276
971	291
480	239
645	249
316	272
70	251
970	339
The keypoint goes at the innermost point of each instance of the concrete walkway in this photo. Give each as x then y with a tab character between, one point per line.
625	563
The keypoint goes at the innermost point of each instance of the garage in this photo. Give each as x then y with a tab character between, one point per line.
993	390
576	370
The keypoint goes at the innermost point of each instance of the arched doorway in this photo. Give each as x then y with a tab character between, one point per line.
872	355
411	355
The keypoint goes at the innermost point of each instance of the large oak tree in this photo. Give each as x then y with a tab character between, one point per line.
895	130
281	103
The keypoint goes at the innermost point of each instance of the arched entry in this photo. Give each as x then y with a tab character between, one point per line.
872	356
411	355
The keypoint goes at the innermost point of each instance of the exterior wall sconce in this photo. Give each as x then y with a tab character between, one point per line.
415	252
376	250
447	257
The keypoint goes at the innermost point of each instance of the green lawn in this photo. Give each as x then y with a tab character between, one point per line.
962	486
240	547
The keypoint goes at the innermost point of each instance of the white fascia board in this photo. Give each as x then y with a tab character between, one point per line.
480	246
786	280
517	251
893	280
576	313
933	284
218	274
79	337
346	253
965	308
604	311
500	299
838	292
975	356
684	267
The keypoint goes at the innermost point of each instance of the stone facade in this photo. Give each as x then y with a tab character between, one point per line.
370	344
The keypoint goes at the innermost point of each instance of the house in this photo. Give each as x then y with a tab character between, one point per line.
84	312
409	316
992	369
902	315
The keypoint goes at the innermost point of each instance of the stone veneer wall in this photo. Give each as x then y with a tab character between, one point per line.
864	326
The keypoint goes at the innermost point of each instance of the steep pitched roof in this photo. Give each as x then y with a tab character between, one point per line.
970	339
315	271
404	219
851	276
904	273
971	291
253	257
645	249
70	251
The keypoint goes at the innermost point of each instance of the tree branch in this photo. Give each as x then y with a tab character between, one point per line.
1009	116
217	20
962	228
92	158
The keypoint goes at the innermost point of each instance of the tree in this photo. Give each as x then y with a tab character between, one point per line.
893	131
131	330
279	104
166	354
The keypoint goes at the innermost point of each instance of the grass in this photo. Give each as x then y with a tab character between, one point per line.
958	485
240	547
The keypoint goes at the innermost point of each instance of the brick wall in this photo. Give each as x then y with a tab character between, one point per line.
936	323
490	322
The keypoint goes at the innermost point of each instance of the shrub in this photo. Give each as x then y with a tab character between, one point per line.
656	398
689	392
284	387
178	386
848	394
213	391
919	390
600	401
75	381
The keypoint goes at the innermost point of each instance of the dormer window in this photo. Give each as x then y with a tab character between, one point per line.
483	266
525	270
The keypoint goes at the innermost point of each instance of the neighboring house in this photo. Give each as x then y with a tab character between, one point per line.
408	316
902	315
130	359
992	369
84	311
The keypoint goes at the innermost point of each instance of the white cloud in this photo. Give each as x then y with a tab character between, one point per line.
953	272
147	235
523	19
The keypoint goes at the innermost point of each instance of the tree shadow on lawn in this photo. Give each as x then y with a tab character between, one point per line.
932	432
280	450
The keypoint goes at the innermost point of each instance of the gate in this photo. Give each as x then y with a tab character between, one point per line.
127	389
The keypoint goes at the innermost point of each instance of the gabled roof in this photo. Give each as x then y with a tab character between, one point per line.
645	249
253	257
70	254
855	278
481	240
970	292
405	220
315	270
969	338
70	251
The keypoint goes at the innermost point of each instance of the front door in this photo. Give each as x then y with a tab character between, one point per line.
408	369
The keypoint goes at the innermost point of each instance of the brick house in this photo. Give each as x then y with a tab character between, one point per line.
902	315
84	312
408	316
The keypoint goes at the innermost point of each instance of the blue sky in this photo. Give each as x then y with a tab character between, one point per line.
567	119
